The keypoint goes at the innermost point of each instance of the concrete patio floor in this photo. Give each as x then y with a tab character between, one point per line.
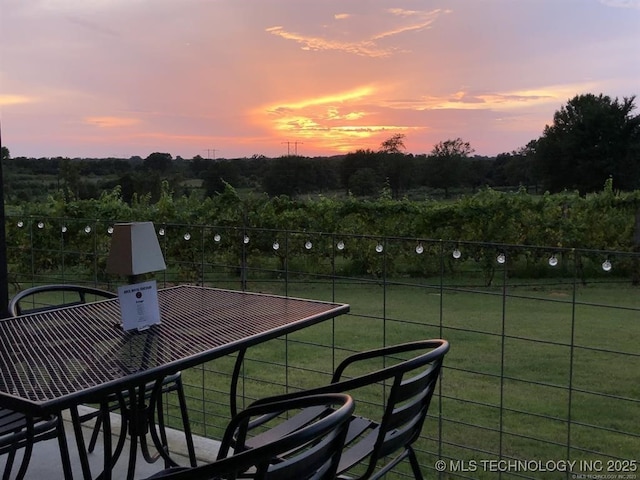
45	461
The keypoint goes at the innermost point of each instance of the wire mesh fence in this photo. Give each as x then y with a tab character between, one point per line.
543	376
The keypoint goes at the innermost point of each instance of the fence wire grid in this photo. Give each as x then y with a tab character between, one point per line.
543	376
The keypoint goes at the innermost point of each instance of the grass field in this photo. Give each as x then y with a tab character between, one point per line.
545	371
535	373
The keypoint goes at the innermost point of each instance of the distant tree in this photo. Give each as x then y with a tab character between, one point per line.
497	175
477	172
327	172
396	167
127	187
445	164
592	139
394	144
398	170
452	148
70	176
104	167
218	175
4	153
520	170
158	162
286	175
199	166
141	183
358	160
364	182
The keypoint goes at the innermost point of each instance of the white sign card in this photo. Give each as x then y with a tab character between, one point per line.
139	306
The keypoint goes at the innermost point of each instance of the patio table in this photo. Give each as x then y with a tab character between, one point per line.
56	360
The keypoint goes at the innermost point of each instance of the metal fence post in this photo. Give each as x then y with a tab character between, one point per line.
4	275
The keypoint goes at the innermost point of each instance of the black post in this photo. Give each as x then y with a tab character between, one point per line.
4	275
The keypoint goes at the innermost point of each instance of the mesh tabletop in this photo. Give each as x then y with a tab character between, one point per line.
52	360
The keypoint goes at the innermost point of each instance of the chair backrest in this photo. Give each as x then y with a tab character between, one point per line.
410	380
309	453
47	297
407	375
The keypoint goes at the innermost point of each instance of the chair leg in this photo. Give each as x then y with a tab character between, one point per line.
95	433
161	426
64	449
9	465
109	454
82	452
415	465
28	448
233	395
186	425
157	420
124	426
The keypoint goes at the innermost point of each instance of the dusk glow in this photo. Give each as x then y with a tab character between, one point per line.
118	78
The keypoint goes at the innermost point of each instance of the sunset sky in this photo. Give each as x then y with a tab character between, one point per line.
236	78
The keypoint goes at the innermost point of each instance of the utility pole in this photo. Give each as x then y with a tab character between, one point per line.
211	151
295	144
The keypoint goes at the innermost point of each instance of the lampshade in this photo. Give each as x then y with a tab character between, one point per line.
134	249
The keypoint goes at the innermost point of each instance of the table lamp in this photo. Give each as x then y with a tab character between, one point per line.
134	250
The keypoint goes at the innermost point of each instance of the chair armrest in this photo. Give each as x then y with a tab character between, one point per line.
269	408
434	348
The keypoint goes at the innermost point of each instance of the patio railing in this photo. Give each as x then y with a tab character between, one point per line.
543	376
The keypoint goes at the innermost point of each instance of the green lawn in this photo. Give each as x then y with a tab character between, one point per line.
533	373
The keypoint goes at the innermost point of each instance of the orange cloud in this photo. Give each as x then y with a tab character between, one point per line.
355	94
6	100
333	122
111	122
463	100
425	19
367	47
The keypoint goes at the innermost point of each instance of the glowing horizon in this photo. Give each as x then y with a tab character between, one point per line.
116	78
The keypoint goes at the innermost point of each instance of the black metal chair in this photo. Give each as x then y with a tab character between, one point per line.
42	298
407	374
18	431
312	451
47	297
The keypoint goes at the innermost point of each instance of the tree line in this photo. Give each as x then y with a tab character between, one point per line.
593	138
